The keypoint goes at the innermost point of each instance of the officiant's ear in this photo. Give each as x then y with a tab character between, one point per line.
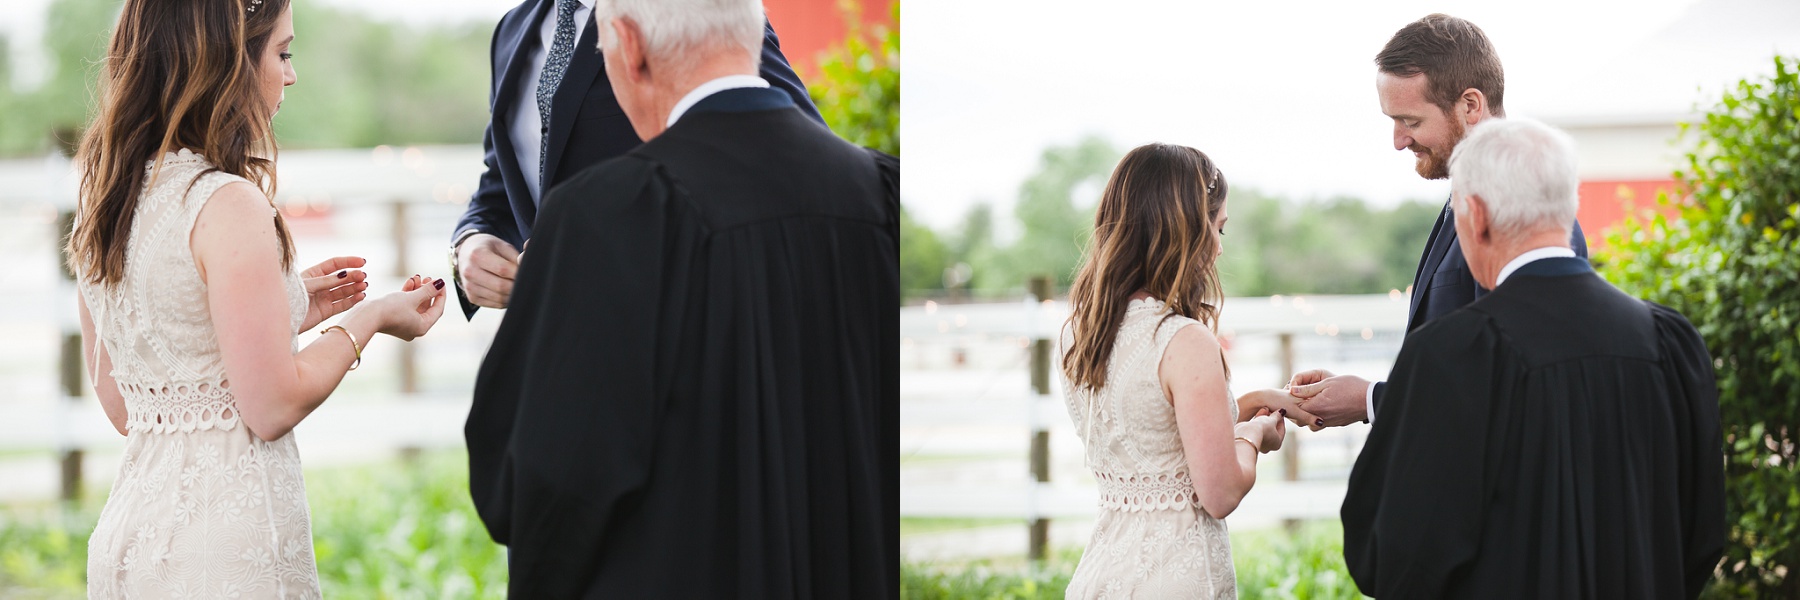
1480	221
628	49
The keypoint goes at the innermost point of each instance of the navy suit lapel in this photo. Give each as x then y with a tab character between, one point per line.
1443	233
585	68
519	42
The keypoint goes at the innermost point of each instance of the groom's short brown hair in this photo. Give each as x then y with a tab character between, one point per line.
1453	54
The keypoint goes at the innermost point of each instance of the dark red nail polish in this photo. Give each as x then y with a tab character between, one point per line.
343	274
439	284
1284	413
1318	422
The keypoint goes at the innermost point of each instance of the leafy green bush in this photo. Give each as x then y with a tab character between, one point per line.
990	579
388	530
859	93
43	552
403	530
1269	564
1731	264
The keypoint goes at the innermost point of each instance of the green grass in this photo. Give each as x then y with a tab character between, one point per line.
912	525
1270	563
388	530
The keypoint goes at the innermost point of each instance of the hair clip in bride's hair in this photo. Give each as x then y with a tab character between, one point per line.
254	4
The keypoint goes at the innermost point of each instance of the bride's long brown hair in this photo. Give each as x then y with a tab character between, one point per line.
177	74
1155	230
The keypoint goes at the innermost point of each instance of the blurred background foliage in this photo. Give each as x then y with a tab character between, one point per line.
1730	264
1273	245
362	82
365	82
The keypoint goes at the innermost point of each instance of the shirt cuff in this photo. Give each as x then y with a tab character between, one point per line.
1369	400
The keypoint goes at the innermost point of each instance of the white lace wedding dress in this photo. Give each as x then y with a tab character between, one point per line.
1152	539
201	507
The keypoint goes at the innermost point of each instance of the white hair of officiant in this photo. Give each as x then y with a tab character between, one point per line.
675	29
1523	170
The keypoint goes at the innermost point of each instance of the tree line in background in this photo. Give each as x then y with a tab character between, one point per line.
362	82
1272	245
365	82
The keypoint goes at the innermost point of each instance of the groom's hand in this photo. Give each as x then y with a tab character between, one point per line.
1333	400
1275	401
487	265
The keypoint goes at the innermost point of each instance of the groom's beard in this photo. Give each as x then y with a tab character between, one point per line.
1434	163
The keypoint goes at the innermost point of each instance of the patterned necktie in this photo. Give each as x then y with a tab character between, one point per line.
551	77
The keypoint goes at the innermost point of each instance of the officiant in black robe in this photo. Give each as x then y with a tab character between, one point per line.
1554	439
694	393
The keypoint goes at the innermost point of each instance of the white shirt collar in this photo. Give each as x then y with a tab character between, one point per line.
1532	256
728	82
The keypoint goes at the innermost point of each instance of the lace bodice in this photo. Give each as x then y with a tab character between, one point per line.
1128	426
156	322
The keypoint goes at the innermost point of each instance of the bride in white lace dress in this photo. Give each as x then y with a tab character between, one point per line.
191	308
1146	385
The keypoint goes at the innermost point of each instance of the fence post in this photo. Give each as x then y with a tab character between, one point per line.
1042	291
409	372
1290	455
409	358
1290	451
69	369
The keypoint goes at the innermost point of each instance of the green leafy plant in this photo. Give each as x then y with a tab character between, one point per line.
1731	264
859	93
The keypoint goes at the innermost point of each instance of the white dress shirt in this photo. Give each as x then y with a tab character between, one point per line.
1521	260
728	82
527	125
1531	256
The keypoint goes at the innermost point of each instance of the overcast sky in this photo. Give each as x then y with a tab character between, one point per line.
1281	95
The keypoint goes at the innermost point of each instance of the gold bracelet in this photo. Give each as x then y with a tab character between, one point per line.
1253	445
353	345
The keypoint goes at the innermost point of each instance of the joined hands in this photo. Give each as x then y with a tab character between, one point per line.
1313	399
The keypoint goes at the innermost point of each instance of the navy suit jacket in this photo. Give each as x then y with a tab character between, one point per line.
1443	282
586	126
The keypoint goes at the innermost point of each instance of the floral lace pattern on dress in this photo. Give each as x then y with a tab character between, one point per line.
201	507
1152	539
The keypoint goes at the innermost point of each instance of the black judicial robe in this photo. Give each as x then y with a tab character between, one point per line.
695	392
1555	439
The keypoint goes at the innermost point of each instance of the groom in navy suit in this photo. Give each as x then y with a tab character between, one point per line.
552	115
1437	77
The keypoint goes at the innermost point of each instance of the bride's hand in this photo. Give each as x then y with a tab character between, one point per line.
333	287
1268	427
411	312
